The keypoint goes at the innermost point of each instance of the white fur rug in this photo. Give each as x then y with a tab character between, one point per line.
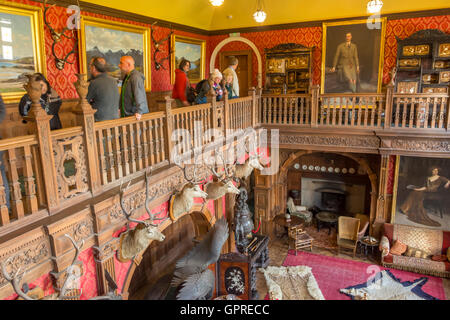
291	283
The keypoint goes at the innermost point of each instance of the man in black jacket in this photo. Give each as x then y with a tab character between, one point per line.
103	92
2	164
133	99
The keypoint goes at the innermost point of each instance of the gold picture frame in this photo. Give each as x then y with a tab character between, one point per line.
410	180
110	37
28	42
192	49
367	34
409	63
444	50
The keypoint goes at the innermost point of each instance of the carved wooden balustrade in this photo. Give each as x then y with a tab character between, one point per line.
357	111
49	171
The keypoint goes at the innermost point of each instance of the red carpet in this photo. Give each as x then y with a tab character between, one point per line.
333	273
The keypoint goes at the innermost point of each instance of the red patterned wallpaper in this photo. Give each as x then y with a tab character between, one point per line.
61	80
403	28
391	177
267	39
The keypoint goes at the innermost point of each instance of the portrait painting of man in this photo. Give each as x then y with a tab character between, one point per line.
352	56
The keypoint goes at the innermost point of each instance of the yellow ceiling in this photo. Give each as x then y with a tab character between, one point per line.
201	14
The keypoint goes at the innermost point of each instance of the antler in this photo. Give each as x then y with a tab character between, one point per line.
192	180
56	36
15	281
75	258
148	200
227	174
125	212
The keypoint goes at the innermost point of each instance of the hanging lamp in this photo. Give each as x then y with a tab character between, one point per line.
374	6
259	15
216	3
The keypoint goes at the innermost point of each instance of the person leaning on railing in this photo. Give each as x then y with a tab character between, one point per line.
227	83
50	102
103	93
133	99
181	85
2	160
213	82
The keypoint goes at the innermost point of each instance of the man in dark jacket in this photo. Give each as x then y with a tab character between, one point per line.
103	92
2	164
133	99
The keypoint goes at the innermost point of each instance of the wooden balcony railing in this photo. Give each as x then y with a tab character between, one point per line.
48	171
358	111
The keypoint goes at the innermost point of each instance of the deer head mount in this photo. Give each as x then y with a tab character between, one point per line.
224	185
137	240
157	44
183	200
244	170
60	62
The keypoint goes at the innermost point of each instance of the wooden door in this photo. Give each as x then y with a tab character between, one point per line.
244	69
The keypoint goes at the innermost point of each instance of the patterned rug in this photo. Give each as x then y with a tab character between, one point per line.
333	274
321	238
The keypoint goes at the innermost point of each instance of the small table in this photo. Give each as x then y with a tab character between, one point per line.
326	219
368	242
281	221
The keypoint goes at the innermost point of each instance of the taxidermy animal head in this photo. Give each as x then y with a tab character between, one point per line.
224	185
137	240
71	275
243	171
183	201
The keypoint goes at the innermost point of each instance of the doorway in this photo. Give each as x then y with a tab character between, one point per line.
243	70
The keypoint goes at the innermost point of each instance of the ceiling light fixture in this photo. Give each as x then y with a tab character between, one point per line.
259	15
216	3
374	6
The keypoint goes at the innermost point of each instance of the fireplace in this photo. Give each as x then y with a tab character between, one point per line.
332	199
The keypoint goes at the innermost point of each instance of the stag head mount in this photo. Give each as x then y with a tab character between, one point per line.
67	32
132	242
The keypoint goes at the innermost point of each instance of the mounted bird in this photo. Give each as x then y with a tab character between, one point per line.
191	271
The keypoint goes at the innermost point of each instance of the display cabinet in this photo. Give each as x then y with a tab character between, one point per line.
423	62
288	68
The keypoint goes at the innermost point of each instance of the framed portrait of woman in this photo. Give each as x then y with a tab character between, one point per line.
421	195
22	47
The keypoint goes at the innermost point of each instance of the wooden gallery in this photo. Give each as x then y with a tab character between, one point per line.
224	150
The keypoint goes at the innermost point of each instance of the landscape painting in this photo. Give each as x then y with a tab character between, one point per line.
111	40
192	50
21	48
422	192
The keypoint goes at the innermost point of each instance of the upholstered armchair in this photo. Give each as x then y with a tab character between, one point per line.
299	211
347	236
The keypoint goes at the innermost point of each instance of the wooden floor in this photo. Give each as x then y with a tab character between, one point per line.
278	249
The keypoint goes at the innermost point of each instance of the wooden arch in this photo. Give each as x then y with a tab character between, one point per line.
196	209
282	176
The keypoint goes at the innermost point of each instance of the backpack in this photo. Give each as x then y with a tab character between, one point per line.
198	86
191	94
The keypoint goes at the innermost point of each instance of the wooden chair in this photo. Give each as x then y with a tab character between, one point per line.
347	236
299	238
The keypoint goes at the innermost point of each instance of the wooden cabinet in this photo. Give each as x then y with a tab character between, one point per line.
423	62
288	68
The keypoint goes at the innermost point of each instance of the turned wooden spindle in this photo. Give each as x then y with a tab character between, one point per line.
81	86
